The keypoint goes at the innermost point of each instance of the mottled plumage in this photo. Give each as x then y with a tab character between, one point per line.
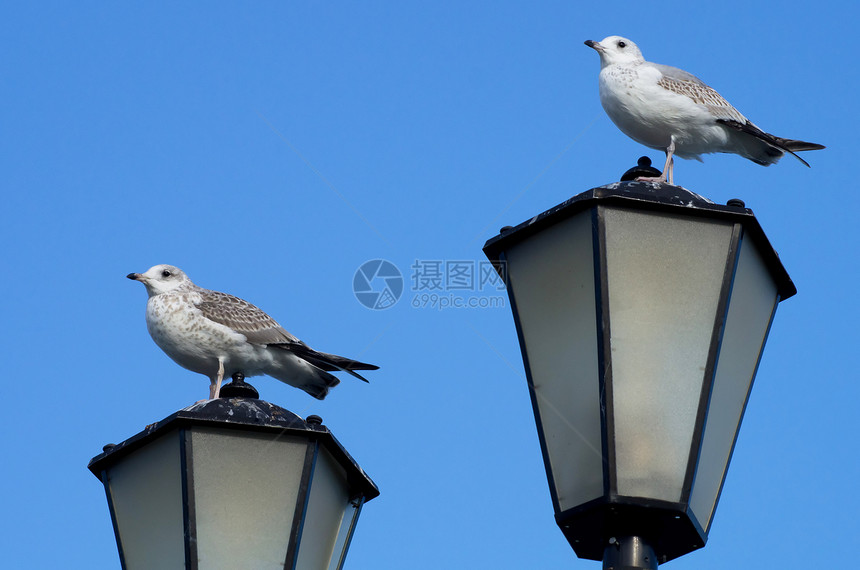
669	109
217	334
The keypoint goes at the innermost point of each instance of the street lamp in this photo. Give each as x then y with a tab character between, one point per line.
642	311
233	483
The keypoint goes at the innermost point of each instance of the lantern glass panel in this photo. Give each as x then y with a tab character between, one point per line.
145	490
327	505
246	487
753	302
344	534
664	276
552	284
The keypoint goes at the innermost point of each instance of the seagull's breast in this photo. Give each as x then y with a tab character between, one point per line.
193	341
651	115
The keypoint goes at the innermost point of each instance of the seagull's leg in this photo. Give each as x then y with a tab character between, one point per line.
668	168
215	387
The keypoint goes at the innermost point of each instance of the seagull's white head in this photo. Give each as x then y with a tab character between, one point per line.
161	279
616	50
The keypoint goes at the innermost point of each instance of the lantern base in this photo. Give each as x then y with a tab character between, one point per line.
668	530
629	553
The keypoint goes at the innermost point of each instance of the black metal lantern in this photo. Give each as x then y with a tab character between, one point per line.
642	312
233	483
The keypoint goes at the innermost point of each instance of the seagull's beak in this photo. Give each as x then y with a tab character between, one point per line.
594	45
134	276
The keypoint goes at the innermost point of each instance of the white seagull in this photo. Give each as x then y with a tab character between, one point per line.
214	334
668	109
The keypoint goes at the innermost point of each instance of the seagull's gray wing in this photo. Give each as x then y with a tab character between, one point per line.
260	328
243	317
683	83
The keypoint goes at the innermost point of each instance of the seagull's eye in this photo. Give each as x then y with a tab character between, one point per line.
165	273
622	44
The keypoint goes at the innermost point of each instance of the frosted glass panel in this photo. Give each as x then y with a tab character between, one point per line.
552	281
146	489
245	492
328	502
751	306
664	275
344	535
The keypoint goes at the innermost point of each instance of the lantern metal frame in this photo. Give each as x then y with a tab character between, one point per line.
237	416
670	529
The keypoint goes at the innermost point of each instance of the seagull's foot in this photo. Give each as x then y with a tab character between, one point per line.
657	179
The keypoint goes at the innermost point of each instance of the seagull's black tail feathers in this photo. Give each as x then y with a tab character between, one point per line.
773	147
792	144
329	362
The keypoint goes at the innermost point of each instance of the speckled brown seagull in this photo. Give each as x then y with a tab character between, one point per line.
669	109
216	334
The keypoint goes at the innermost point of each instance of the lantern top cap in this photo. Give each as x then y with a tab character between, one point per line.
241	414
651	196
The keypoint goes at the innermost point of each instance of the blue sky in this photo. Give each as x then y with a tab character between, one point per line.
271	149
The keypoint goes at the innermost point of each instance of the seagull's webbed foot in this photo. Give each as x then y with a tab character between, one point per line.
658	179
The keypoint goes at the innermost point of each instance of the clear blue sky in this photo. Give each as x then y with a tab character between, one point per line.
271	148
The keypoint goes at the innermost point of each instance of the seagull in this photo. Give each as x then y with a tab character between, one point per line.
668	109
214	333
